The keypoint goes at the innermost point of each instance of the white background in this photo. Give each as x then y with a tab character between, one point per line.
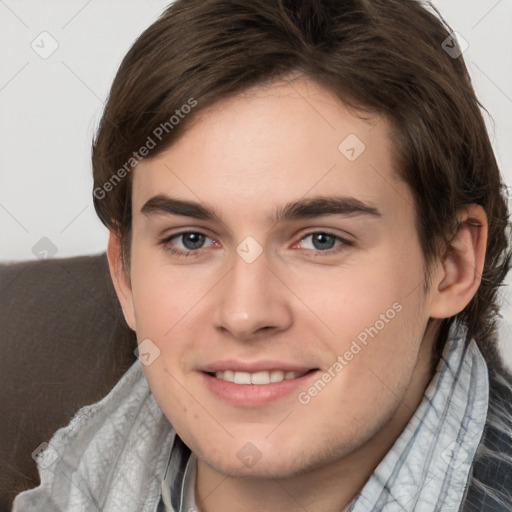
49	109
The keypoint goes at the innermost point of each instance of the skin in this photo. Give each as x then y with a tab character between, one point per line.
245	157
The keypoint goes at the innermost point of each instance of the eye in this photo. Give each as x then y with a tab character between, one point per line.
323	242
186	243
191	240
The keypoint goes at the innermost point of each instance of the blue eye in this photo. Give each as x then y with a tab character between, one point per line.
186	243
191	240
323	242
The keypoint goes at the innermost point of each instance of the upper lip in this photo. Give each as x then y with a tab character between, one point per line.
254	366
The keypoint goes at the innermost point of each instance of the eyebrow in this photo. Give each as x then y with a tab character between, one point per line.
162	204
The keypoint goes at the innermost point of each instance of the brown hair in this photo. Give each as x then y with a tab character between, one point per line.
385	56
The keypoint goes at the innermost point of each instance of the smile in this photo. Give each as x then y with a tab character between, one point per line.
257	388
258	378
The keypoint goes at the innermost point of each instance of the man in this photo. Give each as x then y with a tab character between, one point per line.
307	233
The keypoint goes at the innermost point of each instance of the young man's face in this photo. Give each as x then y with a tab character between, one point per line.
333	290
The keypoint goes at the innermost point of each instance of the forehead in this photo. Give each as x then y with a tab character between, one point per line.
274	143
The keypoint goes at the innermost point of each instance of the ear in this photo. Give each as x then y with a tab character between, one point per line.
121	285
461	266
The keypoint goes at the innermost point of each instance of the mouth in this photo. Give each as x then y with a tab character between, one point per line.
256	389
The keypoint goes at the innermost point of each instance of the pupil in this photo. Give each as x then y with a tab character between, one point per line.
323	241
193	240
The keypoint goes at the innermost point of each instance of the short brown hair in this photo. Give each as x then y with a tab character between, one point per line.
384	56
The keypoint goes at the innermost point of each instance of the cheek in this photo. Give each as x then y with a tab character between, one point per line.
375	349
164	294
375	317
367	291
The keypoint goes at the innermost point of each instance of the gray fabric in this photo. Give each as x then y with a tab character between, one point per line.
111	457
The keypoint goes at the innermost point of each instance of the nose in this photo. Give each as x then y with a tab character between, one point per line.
252	301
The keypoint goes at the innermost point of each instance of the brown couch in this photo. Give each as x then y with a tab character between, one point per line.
64	344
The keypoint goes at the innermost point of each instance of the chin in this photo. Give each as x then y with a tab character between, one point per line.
265	468
278	460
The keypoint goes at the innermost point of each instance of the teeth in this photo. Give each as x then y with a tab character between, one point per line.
264	377
242	378
276	376
229	375
260	378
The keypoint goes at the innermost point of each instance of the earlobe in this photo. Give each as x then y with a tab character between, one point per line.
461	265
121	285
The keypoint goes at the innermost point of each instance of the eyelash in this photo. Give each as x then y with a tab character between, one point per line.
316	253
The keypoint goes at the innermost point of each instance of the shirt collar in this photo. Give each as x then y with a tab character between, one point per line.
173	485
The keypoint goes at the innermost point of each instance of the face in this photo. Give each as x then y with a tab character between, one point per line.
274	240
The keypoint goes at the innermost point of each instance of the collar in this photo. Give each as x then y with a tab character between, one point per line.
176	486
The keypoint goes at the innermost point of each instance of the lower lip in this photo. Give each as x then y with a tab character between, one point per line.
255	395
